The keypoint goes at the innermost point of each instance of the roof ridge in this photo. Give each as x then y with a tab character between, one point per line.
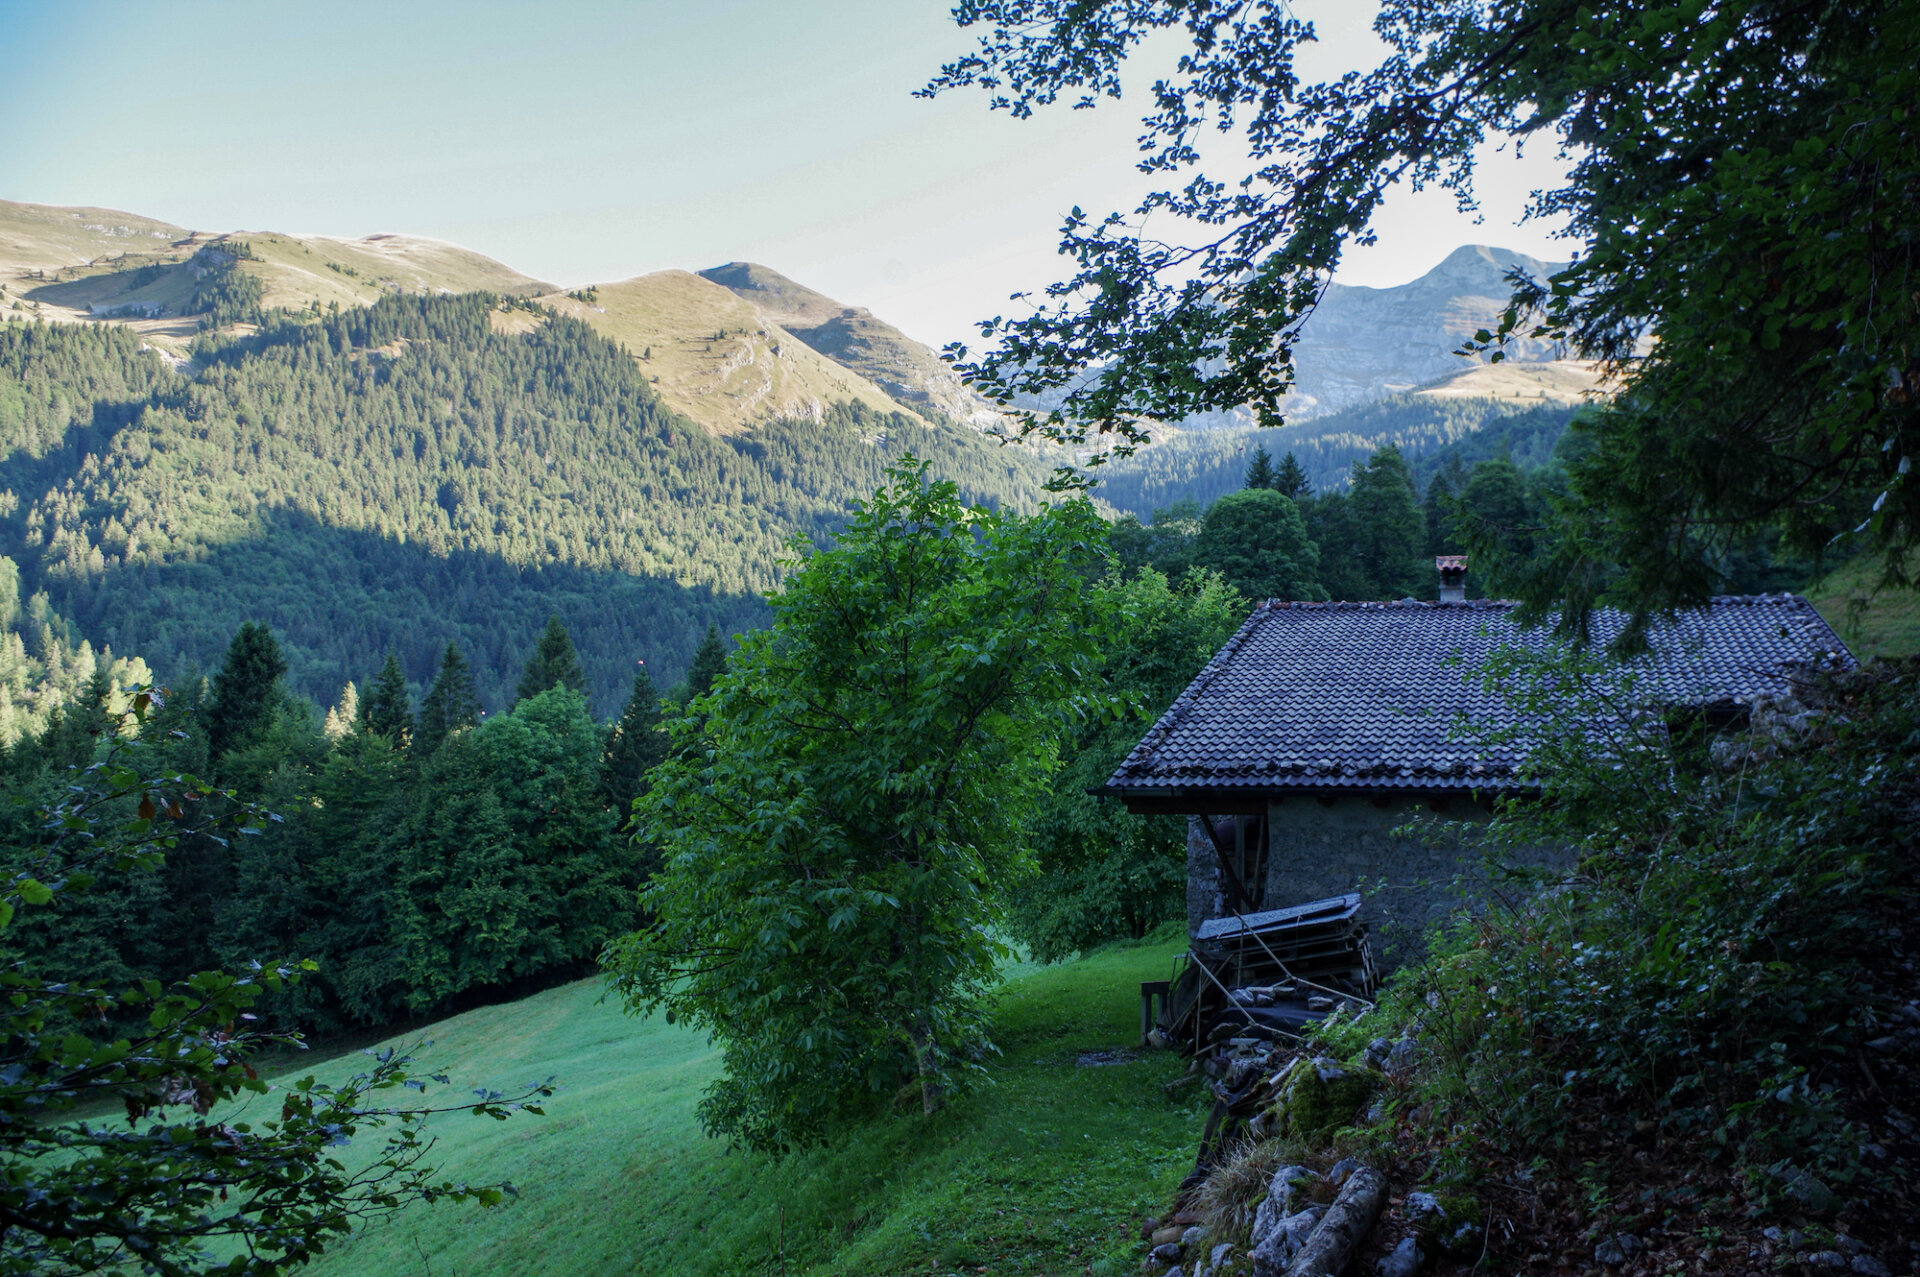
1382	605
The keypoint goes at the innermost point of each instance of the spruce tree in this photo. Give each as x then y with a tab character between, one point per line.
450	704
343	718
709	662
1438	507
554	663
1389	531
1260	472
634	745
244	690
389	707
1290	479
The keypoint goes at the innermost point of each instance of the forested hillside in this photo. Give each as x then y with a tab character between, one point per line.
1204	465
396	477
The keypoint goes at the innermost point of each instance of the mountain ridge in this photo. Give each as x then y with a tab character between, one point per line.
790	352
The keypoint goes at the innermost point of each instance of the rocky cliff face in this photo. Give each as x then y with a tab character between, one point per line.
1364	343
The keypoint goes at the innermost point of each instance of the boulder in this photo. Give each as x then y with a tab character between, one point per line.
1807	1192
1284	1241
1316	1096
1284	1197
1405	1260
1340	1234
1616	1250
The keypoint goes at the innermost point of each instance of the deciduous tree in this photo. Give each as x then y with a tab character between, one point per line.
1255	540
840	841
1106	874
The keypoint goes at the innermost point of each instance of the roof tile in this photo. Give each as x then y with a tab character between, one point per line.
1366	695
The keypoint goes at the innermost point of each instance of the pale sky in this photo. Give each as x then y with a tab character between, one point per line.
585	142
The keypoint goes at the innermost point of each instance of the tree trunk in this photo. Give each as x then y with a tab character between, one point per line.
932	1094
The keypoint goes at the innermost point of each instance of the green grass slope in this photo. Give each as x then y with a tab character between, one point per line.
1041	1172
1872	622
44	237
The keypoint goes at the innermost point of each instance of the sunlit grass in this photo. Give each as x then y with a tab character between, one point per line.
1043	1171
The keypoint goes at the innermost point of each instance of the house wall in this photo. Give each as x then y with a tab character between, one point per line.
1318	848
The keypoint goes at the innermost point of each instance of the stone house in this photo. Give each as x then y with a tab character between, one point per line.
1321	728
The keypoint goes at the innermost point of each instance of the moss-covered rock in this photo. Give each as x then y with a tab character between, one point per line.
1320	1095
1454	1223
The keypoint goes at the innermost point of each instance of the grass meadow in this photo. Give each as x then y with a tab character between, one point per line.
1045	1170
1872	622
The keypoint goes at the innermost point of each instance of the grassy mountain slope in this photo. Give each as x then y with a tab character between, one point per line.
1044	1170
1561	381
721	355
418	264
716	357
853	337
73	264
42	237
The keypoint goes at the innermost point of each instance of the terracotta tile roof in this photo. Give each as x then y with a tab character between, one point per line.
1365	696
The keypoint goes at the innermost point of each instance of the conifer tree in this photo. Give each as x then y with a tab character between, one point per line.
1389	531
1290	479
634	745
244	689
344	717
389	707
450	704
1443	491
709	662
1260	473
554	663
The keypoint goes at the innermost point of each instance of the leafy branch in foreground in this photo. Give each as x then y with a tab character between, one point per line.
846	807
1744	179
194	1181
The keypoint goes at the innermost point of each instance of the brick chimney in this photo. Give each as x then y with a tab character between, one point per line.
1453	577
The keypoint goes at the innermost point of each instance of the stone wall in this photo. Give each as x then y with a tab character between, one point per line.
1323	847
